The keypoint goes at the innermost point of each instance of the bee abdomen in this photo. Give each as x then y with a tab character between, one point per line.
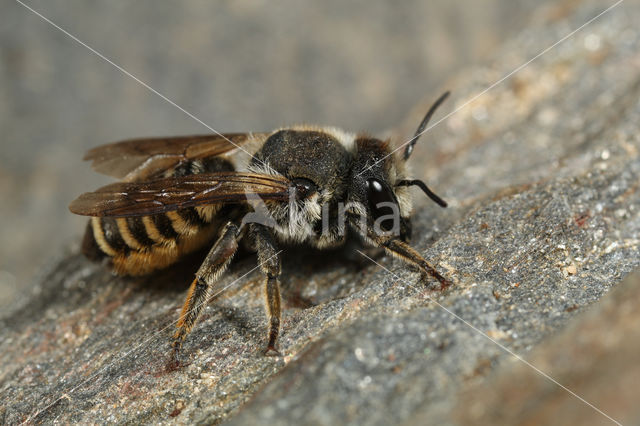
107	236
90	248
134	233
140	245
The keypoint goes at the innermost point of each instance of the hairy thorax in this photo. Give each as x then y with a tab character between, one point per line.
321	158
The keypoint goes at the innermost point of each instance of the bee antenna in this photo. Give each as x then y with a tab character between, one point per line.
409	149
420	184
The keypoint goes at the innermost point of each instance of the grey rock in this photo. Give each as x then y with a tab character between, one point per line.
541	173
595	356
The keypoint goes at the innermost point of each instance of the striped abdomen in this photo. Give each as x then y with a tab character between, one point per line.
141	245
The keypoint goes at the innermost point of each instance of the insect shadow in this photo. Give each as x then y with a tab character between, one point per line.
313	274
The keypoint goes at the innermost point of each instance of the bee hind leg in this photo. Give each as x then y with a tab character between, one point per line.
213	266
269	260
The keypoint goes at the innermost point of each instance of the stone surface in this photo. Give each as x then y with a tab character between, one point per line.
595	357
541	173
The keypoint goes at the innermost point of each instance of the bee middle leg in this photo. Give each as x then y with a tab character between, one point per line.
269	260
213	266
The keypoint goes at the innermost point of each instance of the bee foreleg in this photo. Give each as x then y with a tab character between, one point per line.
269	260
408	254
213	266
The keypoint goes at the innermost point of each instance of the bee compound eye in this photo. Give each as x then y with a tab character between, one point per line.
378	193
380	200
303	187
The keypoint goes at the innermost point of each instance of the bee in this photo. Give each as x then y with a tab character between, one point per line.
296	185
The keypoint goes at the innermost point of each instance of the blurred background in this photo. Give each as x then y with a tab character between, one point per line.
238	66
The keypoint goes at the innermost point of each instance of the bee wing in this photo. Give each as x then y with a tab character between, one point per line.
124	199
138	159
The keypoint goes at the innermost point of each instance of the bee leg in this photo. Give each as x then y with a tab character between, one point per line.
269	260
213	266
408	254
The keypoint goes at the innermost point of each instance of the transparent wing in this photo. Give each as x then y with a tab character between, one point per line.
139	159
124	199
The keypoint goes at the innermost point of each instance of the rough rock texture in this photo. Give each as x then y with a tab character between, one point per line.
596	356
542	174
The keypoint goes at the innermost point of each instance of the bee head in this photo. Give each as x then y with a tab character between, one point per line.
376	202
379	192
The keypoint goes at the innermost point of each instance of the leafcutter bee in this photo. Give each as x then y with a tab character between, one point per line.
300	185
